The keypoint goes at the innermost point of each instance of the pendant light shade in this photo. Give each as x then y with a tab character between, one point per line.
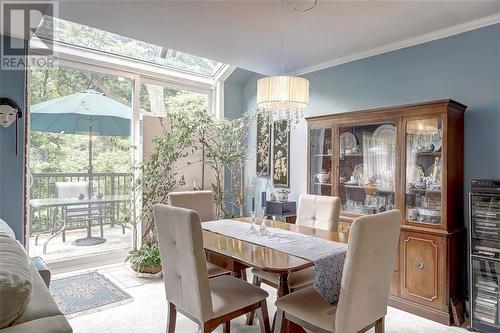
282	92
283	97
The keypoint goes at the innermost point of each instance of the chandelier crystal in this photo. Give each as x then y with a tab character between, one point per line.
283	98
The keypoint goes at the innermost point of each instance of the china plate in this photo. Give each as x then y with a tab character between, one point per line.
347	141
384	135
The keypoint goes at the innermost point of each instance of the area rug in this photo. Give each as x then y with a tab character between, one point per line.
88	292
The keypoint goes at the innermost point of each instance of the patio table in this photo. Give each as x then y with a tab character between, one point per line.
66	202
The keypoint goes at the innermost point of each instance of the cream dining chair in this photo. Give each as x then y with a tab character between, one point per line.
366	279
208	302
316	211
201	202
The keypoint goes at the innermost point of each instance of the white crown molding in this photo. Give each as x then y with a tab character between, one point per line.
438	34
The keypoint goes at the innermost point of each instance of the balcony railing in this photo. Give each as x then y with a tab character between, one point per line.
106	183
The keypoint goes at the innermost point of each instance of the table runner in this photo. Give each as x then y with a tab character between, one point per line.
328	256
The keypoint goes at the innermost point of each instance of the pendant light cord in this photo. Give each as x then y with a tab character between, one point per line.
283	23
283	37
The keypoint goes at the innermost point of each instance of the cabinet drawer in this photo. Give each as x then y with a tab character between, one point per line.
422	268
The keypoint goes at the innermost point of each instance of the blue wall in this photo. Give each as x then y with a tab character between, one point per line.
12	85
464	67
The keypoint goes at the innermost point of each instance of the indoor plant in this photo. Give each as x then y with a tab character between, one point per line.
146	259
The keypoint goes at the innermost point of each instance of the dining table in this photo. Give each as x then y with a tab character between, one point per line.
237	255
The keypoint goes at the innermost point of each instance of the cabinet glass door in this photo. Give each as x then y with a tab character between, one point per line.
320	177
367	164
423	170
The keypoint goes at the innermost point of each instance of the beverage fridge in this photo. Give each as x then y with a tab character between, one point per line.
484	250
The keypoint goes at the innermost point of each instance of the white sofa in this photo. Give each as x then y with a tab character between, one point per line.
25	302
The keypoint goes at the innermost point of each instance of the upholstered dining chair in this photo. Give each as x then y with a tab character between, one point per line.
208	302
201	202
314	211
318	211
366	279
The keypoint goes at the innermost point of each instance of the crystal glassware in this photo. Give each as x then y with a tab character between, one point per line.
253	229
263	226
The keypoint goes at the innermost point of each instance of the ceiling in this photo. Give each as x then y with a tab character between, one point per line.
247	34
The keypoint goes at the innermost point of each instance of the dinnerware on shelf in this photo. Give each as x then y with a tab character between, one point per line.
359	173
324	177
429	215
384	135
347	142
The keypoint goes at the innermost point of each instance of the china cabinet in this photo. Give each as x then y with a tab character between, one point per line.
410	158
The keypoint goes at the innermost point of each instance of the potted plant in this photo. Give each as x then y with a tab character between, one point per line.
146	260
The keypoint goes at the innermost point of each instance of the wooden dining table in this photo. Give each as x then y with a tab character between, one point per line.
237	255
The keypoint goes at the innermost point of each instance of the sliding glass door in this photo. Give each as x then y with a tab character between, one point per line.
80	171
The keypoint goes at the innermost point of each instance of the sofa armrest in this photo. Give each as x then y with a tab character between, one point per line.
42	269
55	324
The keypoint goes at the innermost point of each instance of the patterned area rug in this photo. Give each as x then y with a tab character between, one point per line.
86	293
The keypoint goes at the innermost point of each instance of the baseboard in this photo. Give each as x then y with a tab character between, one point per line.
87	262
421	310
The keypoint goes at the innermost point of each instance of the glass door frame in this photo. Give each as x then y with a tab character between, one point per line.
319	126
214	107
444	162
362	121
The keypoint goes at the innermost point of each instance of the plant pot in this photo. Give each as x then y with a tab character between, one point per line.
149	272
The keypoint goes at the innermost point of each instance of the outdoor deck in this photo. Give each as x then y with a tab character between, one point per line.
47	218
58	251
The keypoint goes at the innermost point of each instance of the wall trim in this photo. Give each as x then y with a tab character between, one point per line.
435	35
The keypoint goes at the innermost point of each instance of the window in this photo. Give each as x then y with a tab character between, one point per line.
158	100
96	39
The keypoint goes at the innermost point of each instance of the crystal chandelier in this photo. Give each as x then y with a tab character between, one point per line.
283	97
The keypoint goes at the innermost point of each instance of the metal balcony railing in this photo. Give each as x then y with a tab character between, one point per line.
106	183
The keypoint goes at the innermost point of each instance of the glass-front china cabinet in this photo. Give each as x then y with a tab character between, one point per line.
410	158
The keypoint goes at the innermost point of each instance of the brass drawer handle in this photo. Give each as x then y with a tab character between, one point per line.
419	264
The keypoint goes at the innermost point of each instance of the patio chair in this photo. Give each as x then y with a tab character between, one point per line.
78	212
72	213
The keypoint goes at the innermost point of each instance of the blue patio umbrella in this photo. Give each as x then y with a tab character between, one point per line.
88	112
